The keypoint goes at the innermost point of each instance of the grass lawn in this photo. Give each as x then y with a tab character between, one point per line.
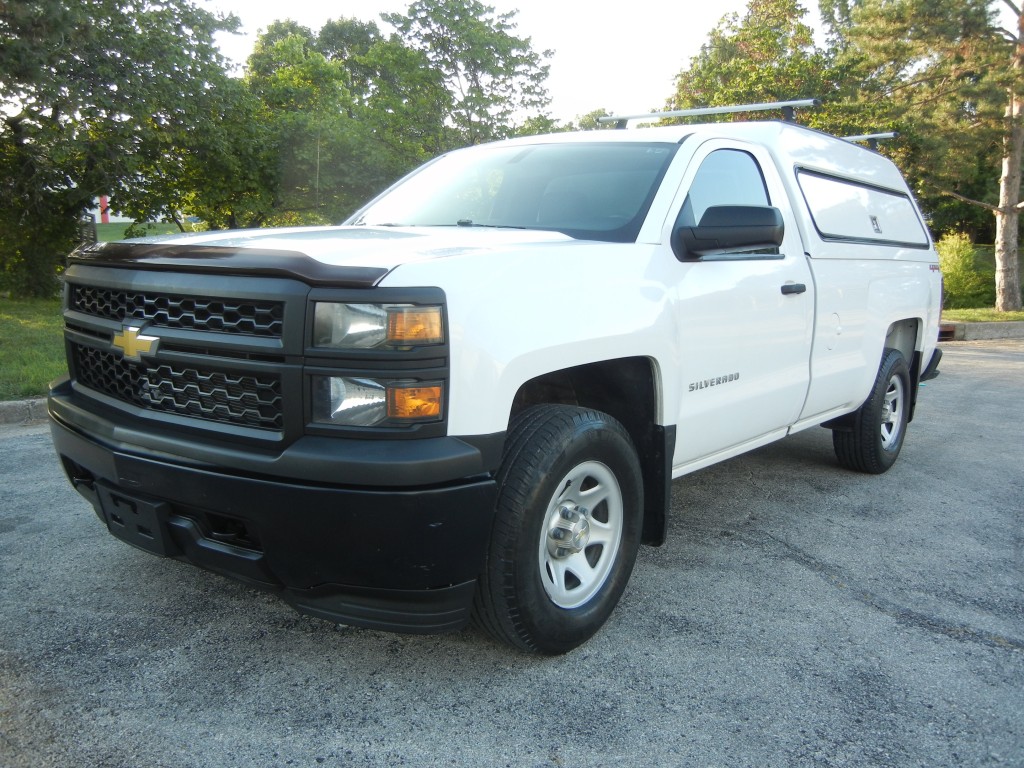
31	347
31	333
980	316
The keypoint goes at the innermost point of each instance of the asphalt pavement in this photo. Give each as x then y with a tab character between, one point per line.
799	615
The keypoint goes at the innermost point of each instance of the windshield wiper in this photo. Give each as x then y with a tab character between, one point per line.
471	223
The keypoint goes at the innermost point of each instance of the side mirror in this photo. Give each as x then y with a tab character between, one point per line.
730	229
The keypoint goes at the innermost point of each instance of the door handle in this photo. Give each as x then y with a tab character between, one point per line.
792	288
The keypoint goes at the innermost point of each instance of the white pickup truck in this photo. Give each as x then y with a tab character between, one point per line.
471	399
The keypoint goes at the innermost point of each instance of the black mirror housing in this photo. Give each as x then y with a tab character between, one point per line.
730	228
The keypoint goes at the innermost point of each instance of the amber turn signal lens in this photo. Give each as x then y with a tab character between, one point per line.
414	403
414	325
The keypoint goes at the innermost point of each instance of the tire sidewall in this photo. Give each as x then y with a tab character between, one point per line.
893	365
595	437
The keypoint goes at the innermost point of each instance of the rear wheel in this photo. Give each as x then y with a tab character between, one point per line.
566	531
880	424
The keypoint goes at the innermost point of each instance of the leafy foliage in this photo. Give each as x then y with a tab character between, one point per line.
589	121
130	98
404	106
344	111
324	120
766	55
965	286
495	78
95	96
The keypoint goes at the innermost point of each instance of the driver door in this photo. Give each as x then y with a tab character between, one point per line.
744	319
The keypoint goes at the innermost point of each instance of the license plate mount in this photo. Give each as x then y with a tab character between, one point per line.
136	521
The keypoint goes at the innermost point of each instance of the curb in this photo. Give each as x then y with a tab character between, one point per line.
23	411
981	331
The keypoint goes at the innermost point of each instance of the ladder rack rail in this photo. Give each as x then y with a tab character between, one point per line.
872	139
788	111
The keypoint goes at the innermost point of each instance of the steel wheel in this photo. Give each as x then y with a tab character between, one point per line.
893	412
580	536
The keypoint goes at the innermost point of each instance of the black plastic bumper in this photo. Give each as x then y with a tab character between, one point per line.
400	558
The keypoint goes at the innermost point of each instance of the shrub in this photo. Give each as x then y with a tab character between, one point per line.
965	284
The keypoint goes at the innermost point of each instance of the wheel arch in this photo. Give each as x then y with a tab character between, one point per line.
626	389
907	336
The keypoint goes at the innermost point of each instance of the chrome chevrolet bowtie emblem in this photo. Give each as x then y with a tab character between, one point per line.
133	344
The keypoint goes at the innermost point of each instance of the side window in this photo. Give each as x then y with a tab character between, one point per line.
847	210
726	177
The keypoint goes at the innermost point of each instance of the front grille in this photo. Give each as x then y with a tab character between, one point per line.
242	399
165	310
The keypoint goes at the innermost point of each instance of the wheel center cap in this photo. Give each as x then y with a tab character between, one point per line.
570	531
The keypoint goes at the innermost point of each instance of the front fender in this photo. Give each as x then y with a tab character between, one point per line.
516	316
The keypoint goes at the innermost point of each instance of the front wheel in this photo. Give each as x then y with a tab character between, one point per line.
566	531
880	424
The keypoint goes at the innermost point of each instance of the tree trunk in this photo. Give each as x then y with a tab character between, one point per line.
1008	293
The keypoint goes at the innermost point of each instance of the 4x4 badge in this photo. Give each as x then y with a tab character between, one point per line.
133	344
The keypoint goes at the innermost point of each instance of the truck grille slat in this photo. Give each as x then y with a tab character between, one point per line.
244	317
242	399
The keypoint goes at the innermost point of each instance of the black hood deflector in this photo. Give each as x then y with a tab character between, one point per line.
226	260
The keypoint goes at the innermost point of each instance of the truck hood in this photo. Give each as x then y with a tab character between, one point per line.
345	255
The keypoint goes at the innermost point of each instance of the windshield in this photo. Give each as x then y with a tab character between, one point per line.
593	191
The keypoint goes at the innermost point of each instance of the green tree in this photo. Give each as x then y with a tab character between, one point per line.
964	285
92	94
348	41
306	102
405	106
496	80
539	124
767	54
332	148
590	121
946	71
231	177
265	57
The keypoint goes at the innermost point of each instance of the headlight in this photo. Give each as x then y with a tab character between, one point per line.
361	402
376	326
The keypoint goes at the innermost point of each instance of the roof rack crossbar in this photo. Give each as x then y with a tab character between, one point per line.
872	138
787	108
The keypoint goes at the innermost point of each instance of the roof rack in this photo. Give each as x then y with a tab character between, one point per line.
872	138
788	111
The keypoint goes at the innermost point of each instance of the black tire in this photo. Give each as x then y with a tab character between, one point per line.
566	531
880	424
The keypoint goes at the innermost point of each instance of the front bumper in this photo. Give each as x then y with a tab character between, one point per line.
400	558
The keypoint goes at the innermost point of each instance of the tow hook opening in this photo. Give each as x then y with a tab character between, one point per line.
80	477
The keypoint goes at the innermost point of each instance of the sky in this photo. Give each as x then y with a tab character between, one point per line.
622	58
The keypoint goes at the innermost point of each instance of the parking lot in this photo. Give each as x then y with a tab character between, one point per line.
798	615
